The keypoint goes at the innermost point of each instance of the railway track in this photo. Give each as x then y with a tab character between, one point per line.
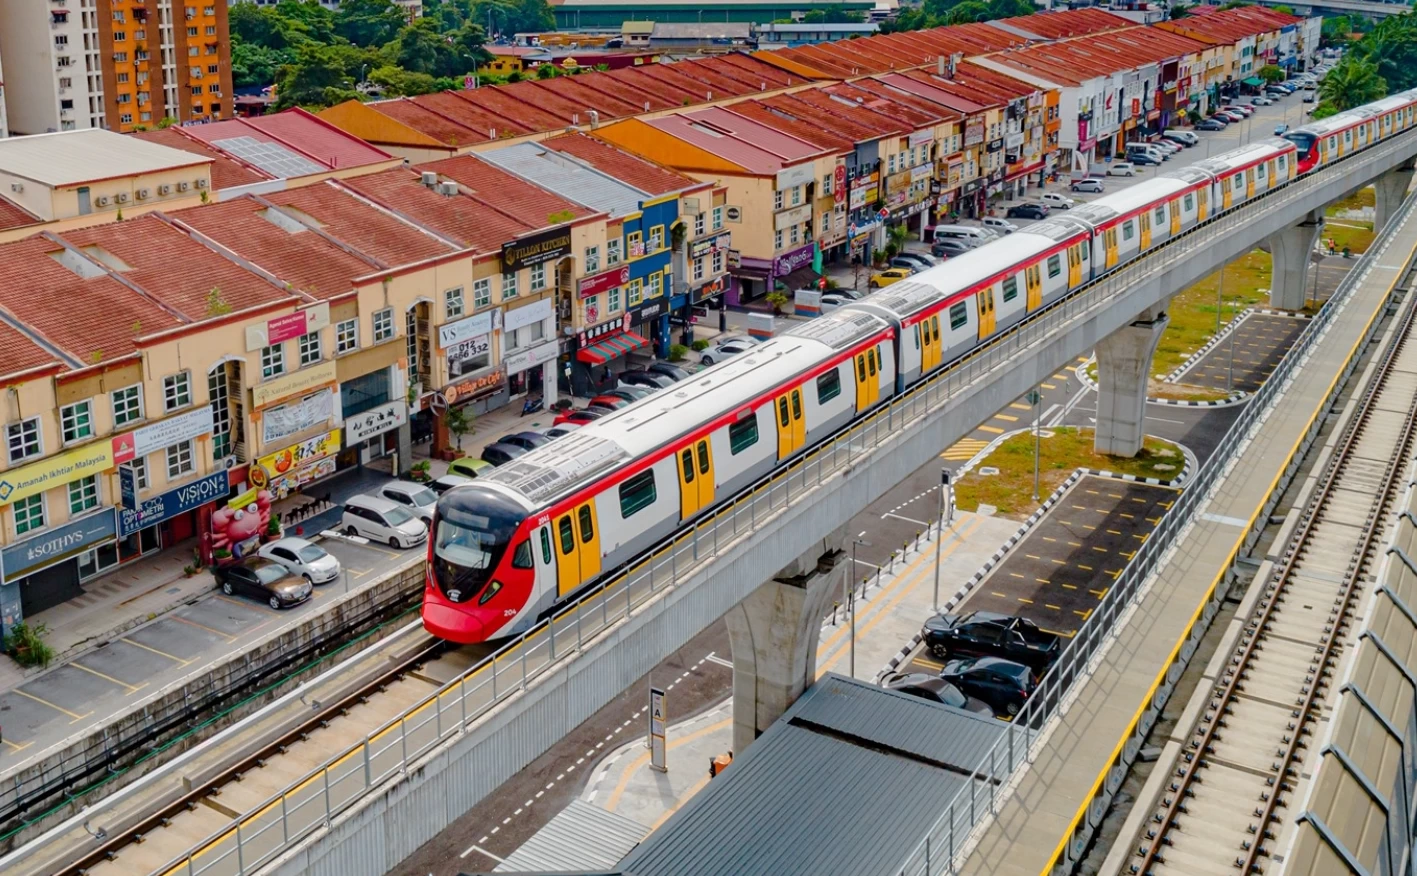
1242	760
206	812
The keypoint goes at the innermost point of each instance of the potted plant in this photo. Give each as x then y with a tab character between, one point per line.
222	557
273	530
420	471
778	300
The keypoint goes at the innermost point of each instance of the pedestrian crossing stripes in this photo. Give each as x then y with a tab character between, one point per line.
964	449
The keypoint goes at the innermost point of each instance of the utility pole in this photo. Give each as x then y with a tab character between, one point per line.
1035	398
1230	376
945	477
851	603
1219	298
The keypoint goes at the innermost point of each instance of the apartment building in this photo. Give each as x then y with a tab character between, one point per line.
123	65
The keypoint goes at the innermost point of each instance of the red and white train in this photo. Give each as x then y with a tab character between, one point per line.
529	536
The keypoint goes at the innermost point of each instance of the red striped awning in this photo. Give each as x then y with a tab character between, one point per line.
611	346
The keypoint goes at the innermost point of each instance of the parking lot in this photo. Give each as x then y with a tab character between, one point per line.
1255	348
89	689
1065	565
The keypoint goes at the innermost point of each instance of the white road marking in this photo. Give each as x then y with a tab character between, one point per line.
714	658
908	519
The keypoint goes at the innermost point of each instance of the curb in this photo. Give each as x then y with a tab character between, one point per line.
1235	398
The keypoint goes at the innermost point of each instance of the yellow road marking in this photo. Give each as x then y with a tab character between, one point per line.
172	657
930	663
1084	568
1052	606
1070	587
1025	601
15	746
992	430
227	636
1018	407
131	688
1006	418
1042	581
1047	386
30	696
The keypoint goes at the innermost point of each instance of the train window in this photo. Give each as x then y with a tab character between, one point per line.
870	362
1010	289
703	457
921	328
935	327
744	433
1160	216
1055	266
637	493
545	546
587	525
568	535
687	460
1127	230
1190	202
797	401
860	373
959	317
782	405
828	386
521	557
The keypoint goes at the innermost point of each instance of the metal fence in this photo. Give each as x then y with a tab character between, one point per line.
316	798
938	849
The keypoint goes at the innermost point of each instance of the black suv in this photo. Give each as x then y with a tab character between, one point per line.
986	634
1003	684
1028	211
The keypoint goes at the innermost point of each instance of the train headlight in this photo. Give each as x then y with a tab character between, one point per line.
490	592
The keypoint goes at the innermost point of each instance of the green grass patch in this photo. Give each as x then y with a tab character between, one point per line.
1067	449
1192	312
1364	197
1355	235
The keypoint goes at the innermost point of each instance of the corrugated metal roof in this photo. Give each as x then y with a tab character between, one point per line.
567	177
582	836
820	792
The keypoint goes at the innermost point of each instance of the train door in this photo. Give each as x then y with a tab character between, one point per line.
1249	183
541	545
1144	220
1033	281
929	333
1074	267
1225	197
577	547
985	303
1273	179
1202	203
1109	242
695	478
791	427
1175	212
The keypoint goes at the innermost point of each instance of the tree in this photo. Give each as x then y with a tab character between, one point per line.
468	49
398	82
308	19
1392	46
1178	11
368	23
1323	111
1352	83
968	12
832	16
256	65
1287	10
321	76
1271	74
258	26
420	48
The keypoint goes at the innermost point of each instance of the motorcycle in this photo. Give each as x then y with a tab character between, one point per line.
531	405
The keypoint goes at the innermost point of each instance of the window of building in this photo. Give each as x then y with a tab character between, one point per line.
796	195
272	361
213	68
718	261
309	348
83	495
197	90
699	223
346	336
383	324
612	300
176	391
210	30
613	250
191	31
826	187
119	36
777	199
959	316
592	259
509	286
637	493
794	234
538	278
481	292
699	268
777	240
742	435
452	303
23	439
717	218
127	405
828	386
635	294
634	244
826	222
139	468
655	289
29	514
179	460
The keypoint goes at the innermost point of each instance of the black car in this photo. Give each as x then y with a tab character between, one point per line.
1210	125
1028	211
646	378
950	246
986	634
525	440
936	690
1141	159
630	393
501	454
1003	684
668	370
266	580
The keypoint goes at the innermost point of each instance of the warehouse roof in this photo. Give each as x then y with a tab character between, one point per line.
72	158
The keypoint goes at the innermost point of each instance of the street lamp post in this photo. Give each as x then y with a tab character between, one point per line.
1230	375
1219	295
1035	398
851	602
945	477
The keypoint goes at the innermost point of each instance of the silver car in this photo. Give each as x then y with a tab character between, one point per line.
727	347
416	498
303	558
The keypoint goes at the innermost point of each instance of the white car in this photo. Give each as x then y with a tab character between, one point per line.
1122	168
303	558
727	347
1057	201
383	521
1261	100
1088	184
1003	226
415	497
831	301
1168	146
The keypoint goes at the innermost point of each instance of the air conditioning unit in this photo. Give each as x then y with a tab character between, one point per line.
230	462
122	197
183	186
448	188
143	194
201	183
164	189
430	179
101	200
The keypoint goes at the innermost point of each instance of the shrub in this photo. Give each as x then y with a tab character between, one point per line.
26	644
677	352
778	300
700	345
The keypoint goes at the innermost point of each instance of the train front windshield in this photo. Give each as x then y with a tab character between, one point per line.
468	543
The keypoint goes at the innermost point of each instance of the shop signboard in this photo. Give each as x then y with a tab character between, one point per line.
453	333
706	245
473	387
172	503
292	418
974	132
645	312
604	282
375	421
282	328
535	249
276	465
298	383
839	184
522	360
58	544
795	216
27	480
791	261
472	354
919	172
162	434
529	314
791	177
127	487
920	138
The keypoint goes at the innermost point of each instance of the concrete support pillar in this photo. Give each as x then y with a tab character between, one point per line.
774	634
405	451
1123	368
1289	251
1391	192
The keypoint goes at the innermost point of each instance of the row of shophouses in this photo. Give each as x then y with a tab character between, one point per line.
535	239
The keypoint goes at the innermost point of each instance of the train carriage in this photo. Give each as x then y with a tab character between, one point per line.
1326	140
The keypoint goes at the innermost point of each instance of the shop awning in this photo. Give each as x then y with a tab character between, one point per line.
1253	82
611	346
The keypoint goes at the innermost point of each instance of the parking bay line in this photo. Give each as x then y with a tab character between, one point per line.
31	696
173	657
227	636
131	688
15	746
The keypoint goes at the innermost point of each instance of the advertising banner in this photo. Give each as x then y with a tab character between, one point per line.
57	544
172	503
294	417
604	282
300	382
527	315
375	421
277	464
536	249
162	434
791	261
470	355
453	333
27	480
291	325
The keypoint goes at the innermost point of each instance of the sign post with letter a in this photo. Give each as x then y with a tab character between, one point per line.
656	730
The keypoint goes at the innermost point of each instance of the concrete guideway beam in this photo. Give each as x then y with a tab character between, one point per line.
1391	189
774	633
1123	370
1290	249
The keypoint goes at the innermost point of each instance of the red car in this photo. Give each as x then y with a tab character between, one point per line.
579	417
613	402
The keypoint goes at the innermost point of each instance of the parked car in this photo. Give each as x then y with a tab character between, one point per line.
383	521
563	429
415	497
1261	100
266	580
1121	168
1279	130
609	402
727	347
881	279
448	481
1168	146
831	301
975	233
1185	138
525	440
1028	211
1057	201
936	690
1210	125
1143	159
668	369
631	393
905	264
579	417
1003	684
948	247
501	454
988	634
646	379
304	558
1231	115
994	223
920	261
469	467
847	292
1244	111
1309	96
1091	184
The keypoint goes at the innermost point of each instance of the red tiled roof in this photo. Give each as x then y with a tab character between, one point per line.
501	103
1072	62
458	217
859	118
12	215
874	95
1059	24
373	232
175	269
740	152
304	259
427	121
317	139
638	172
754	71
19	353
785	146
101	316
801	125
227	172
665	94
509	194
610	104
456	106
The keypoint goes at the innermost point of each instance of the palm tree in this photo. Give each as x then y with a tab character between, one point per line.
1351	84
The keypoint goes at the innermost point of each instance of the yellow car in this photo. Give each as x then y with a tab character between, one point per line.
889	276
